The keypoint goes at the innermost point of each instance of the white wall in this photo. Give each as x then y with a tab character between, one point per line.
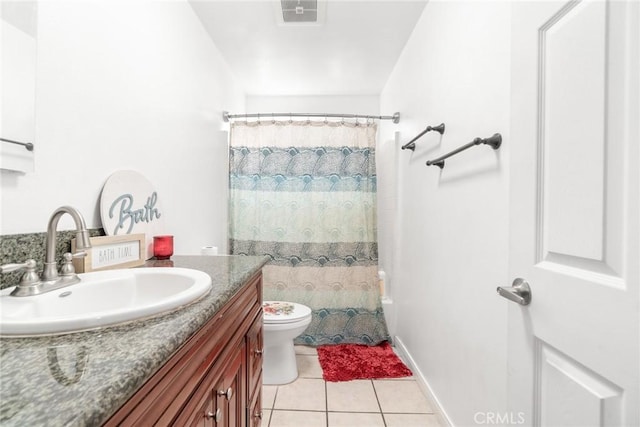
451	226
127	85
351	104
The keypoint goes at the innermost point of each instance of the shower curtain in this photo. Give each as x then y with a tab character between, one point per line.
304	194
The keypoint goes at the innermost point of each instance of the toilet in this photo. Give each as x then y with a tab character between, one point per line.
283	321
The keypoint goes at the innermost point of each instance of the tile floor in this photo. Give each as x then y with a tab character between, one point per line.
310	401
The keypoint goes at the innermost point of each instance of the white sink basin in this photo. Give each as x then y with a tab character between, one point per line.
102	298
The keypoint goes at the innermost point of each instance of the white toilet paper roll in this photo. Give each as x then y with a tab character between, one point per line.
209	250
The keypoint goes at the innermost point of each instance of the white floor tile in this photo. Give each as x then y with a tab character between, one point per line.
354	419
266	417
304	349
302	394
401	397
308	366
298	419
352	396
268	396
396	402
412	420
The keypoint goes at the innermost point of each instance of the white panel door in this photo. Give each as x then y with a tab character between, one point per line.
574	357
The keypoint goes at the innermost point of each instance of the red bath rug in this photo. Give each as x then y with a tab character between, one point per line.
346	362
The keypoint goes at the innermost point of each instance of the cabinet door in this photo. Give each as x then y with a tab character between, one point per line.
206	414
230	392
255	411
254	356
222	395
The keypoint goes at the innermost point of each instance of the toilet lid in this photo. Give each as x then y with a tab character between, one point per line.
284	311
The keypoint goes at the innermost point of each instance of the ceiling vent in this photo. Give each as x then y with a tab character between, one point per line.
301	12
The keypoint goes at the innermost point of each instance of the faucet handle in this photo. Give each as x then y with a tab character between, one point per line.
28	264
9	268
29	277
67	268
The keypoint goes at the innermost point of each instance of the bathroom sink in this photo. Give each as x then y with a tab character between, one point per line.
101	299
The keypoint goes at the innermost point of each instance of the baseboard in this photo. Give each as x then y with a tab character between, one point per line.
420	379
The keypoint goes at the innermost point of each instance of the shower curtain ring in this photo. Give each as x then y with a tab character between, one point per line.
273	118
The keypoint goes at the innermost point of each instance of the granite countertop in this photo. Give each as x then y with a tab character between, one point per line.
81	379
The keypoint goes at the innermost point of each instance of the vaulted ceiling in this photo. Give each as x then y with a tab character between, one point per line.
350	51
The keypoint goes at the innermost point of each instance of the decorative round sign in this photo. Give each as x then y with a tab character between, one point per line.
129	204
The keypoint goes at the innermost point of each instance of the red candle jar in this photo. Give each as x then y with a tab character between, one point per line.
162	247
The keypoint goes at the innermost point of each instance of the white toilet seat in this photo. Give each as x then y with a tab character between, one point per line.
284	312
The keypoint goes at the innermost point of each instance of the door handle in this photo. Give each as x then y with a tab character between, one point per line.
519	292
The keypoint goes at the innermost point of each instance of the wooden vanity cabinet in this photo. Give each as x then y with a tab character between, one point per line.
214	379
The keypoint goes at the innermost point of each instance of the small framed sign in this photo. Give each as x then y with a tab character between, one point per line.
130	204
109	252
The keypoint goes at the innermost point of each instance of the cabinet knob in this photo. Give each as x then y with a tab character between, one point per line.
228	393
258	415
258	352
217	417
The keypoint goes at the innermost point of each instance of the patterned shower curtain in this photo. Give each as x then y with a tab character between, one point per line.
304	194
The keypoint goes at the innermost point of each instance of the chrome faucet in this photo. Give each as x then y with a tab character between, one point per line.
31	283
82	240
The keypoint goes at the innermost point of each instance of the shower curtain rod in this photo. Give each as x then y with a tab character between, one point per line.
226	116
